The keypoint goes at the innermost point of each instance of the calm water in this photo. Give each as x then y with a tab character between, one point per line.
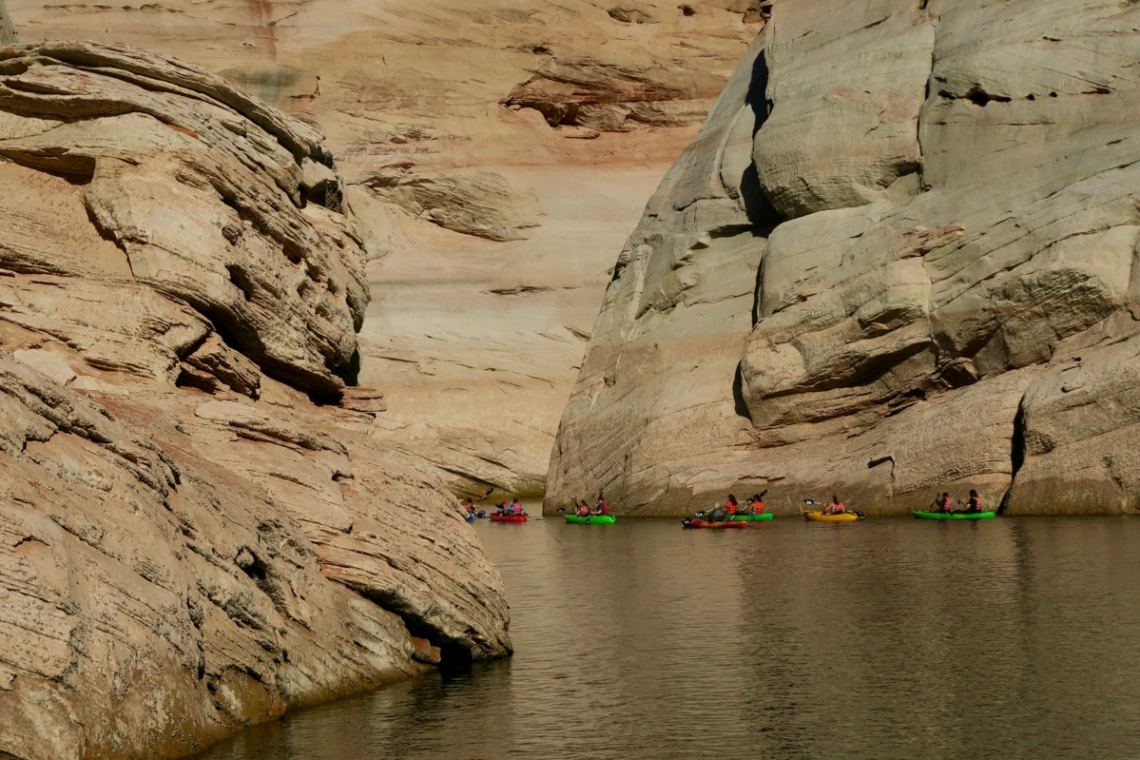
879	639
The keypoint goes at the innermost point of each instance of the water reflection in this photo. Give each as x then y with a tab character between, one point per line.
882	639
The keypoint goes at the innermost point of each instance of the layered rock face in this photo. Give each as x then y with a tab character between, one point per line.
898	259
495	154
188	542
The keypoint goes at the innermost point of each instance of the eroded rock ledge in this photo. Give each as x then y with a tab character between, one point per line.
188	543
899	258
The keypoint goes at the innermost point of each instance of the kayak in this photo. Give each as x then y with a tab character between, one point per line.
509	518
751	518
818	516
954	515
715	525
591	520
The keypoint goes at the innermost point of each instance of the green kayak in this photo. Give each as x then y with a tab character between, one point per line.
955	515
591	520
751	518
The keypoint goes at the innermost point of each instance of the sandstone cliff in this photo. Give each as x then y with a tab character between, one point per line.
495	154
899	258
7	31
198	529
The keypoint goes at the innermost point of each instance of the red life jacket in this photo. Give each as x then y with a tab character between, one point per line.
757	506
604	508
837	508
945	503
976	503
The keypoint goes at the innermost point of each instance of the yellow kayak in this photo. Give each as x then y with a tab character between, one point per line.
820	516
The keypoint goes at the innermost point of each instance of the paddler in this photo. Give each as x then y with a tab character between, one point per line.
975	503
601	508
583	509
943	503
469	506
731	506
516	507
836	506
756	504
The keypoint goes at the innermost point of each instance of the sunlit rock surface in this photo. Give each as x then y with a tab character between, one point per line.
494	155
198	528
898	259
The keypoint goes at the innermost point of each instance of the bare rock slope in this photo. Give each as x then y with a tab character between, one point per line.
188	542
899	258
494	154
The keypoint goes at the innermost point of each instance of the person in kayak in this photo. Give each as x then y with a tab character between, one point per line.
469	506
601	508
583	509
516	507
835	507
715	515
501	507
756	504
974	505
731	506
943	503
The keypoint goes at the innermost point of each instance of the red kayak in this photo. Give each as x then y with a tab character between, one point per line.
715	525
509	518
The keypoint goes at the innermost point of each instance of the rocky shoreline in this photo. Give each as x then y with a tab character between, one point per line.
198	528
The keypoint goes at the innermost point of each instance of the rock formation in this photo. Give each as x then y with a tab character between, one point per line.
489	231
898	258
7	31
188	542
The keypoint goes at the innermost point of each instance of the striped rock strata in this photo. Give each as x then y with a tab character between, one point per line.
899	258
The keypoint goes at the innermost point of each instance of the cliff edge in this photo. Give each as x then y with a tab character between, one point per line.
494	153
899	258
198	529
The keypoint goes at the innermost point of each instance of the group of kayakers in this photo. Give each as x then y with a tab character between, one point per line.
732	508
513	508
600	508
945	504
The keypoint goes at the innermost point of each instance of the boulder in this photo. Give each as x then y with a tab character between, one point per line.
191	539
933	288
198	186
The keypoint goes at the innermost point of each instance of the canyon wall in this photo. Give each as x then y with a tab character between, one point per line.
198	528
7	31
899	258
494	155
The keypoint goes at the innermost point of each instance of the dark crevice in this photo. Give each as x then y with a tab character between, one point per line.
350	371
742	409
756	205
451	652
76	169
242	281
1017	454
975	95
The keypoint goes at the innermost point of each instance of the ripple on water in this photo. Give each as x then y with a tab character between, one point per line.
880	639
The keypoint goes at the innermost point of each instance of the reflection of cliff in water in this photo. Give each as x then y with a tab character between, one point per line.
883	639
